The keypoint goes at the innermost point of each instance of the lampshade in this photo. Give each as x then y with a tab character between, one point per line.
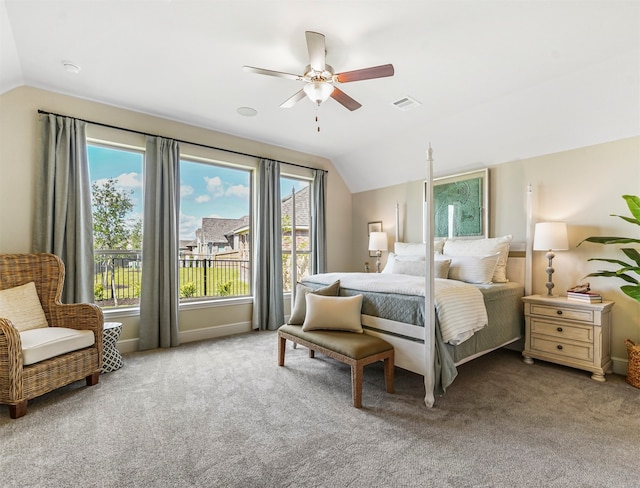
551	235
318	91
378	241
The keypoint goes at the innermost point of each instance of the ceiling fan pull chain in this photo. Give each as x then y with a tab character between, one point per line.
317	117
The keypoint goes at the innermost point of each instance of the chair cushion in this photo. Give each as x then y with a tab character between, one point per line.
22	306
48	342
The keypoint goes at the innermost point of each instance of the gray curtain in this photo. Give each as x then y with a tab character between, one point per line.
160	289
318	224
268	301
62	222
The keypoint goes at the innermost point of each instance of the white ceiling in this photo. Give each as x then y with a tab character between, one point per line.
497	80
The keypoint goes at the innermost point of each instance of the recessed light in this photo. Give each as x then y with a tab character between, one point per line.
247	111
71	68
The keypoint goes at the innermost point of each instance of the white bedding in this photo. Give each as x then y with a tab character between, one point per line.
459	306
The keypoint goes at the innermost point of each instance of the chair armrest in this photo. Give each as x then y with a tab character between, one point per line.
11	356
80	316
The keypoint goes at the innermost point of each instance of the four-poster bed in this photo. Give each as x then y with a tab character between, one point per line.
401	308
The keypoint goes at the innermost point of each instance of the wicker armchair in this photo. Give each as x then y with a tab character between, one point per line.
19	383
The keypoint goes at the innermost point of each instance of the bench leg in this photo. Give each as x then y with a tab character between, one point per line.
282	345
388	374
356	384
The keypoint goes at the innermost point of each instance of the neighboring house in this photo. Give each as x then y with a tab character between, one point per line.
303	216
217	236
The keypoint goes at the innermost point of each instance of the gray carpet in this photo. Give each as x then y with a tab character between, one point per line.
221	413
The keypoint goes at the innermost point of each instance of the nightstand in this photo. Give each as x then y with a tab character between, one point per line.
568	332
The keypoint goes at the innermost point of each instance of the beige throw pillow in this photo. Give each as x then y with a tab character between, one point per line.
300	305
333	313
22	306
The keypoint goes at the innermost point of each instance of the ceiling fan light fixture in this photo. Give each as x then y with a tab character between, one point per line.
318	91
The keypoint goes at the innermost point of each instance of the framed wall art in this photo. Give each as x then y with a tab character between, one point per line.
461	205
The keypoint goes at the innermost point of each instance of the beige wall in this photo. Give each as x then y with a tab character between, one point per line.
18	137
582	187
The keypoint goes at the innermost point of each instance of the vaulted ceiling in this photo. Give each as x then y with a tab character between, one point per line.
496	81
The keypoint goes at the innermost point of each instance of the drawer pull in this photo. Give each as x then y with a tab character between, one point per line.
559	346
559	329
559	312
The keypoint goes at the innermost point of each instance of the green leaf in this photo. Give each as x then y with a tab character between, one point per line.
612	261
611	240
613	274
631	220
632	254
633	202
632	291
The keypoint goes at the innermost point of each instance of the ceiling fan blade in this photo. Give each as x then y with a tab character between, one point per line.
268	72
317	50
291	101
365	73
344	99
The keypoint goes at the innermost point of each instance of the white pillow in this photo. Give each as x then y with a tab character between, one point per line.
388	268
482	247
473	269
22	306
417	248
333	313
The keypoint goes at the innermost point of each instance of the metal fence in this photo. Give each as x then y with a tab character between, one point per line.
118	276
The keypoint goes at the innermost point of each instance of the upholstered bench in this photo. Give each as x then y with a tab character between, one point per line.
356	350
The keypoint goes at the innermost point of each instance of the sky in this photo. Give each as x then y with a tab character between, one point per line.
205	190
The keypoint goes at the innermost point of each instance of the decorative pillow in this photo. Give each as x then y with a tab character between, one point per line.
418	267
300	305
414	268
473	269
22	306
333	313
482	247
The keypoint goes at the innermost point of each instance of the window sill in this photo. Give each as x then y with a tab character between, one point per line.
112	313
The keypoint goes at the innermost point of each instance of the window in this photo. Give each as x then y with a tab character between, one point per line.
295	194
116	196
215	231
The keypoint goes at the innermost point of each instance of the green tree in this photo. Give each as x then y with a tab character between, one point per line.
136	235
110	208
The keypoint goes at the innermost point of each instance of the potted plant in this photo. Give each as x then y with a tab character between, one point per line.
626	272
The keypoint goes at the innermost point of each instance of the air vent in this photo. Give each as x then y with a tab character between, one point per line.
406	103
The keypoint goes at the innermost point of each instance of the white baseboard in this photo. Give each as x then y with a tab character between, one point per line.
217	331
131	345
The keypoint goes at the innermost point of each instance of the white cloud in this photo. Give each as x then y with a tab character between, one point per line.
130	180
186	190
125	180
203	198
188	226
238	191
214	186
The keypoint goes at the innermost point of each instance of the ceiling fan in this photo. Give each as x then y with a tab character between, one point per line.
319	77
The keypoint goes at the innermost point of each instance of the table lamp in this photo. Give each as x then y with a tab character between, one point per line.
378	243
550	236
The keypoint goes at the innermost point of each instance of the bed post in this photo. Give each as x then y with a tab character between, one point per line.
430	332
529	243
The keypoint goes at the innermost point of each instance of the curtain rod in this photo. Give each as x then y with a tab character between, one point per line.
177	140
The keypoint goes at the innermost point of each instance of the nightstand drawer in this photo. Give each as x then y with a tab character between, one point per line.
562	331
563	313
562	349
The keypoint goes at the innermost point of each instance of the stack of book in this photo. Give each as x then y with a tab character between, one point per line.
585	296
